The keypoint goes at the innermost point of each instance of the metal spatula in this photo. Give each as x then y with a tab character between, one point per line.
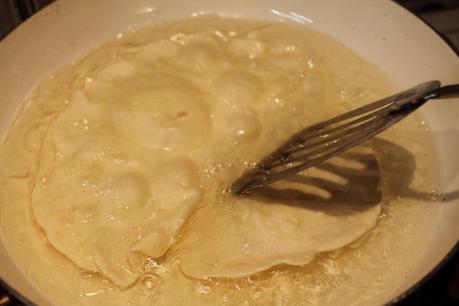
322	141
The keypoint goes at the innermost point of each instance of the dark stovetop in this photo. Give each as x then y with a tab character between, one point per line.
442	289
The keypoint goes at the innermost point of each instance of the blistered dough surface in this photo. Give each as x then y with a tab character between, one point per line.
152	132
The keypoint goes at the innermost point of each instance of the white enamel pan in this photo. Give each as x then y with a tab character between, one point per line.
379	30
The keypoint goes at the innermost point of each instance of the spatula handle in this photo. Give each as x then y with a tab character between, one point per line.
446	92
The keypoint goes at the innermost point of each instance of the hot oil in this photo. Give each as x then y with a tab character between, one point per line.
365	272
333	80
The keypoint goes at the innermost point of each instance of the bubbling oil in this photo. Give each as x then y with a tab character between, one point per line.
291	96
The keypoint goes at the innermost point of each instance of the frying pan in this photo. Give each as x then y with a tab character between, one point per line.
378	30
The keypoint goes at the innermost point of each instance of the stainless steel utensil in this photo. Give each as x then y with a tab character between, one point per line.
324	140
